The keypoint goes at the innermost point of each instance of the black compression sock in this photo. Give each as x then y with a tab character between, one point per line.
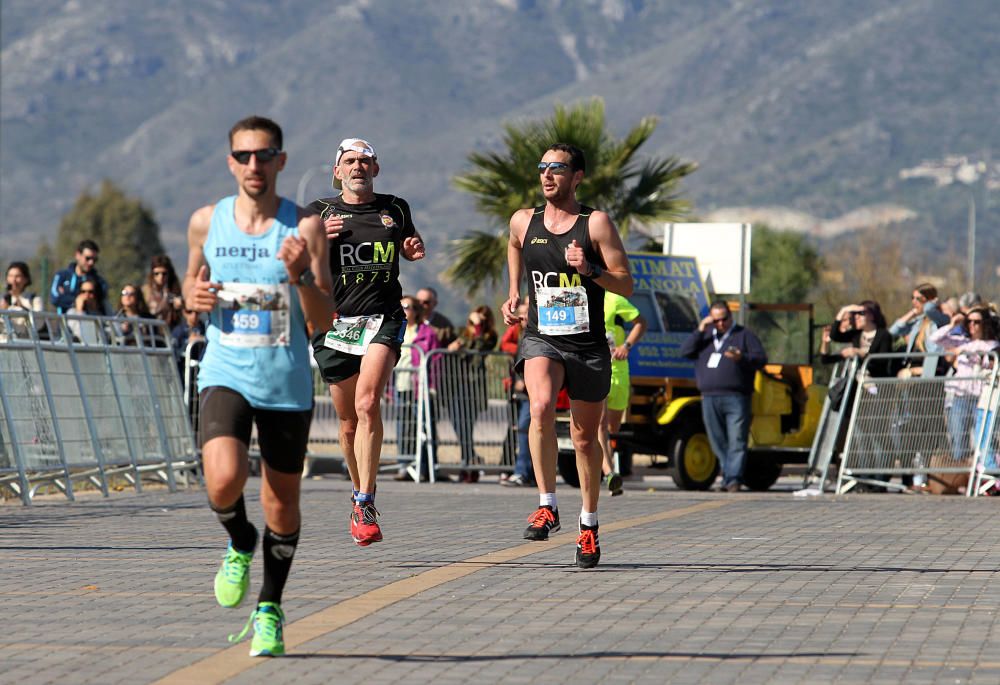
278	553
234	519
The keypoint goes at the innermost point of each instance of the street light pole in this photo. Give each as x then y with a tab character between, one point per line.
972	239
300	193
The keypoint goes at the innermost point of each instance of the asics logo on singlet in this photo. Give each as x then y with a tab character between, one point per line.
252	252
377	252
539	241
555	279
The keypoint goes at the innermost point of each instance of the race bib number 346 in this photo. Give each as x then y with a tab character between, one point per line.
562	311
352	334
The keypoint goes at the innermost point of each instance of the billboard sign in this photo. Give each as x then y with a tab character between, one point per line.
671	296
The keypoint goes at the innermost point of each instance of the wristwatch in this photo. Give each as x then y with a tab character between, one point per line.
628	345
595	272
306	278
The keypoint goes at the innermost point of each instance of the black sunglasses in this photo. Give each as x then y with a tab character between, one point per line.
555	167
263	155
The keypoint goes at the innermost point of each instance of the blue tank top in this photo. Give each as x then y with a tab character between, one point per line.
257	342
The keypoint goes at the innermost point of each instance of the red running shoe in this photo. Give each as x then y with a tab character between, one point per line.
364	524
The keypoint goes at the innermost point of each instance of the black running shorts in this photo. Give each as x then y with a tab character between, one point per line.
283	436
588	370
336	366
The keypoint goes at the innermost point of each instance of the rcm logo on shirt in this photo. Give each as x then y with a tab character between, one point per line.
555	279
376	252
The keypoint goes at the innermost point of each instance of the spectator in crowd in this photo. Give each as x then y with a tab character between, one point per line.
132	305
917	325
443	327
726	356
862	327
617	312
467	394
970	337
68	282
162	291
524	474
86	305
951	306
419	336
17	297
190	329
968	300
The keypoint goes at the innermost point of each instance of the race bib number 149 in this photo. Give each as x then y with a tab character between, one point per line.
562	311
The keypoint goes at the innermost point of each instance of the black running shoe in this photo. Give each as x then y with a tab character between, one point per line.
588	547
545	520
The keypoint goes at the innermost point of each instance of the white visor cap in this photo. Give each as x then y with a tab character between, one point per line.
358	145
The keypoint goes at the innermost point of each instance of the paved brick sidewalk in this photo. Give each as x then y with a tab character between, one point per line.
692	588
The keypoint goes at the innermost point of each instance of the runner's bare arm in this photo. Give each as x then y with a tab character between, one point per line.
198	290
311	251
604	235
518	226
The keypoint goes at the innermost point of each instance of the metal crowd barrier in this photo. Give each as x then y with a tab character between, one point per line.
831	428
403	410
449	411
86	398
469	411
923	427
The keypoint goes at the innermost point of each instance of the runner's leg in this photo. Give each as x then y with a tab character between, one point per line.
279	496
584	428
376	368
343	403
543	378
227	466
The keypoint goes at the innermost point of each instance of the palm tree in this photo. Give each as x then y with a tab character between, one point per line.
629	190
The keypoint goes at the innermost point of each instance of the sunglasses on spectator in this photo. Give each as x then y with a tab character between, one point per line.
556	168
159	272
263	155
722	320
128	293
90	258
978	322
425	301
406	306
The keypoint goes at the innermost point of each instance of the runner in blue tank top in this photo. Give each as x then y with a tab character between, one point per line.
368	233
258	265
571	254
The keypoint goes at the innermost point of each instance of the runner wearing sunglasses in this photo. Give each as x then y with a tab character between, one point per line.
571	254
258	265
368	232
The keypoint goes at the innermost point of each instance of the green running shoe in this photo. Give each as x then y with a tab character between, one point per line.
268	638
233	578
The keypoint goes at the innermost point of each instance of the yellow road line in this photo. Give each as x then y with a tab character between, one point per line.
234	660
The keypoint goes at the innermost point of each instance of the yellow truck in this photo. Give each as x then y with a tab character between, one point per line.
664	417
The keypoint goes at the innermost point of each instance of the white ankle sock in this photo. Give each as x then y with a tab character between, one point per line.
588	518
547	499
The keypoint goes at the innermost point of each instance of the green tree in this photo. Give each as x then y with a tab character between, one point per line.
629	189
784	267
43	266
122	227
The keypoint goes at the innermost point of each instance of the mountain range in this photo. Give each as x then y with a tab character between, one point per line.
808	109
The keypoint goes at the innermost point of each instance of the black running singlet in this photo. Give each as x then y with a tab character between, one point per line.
364	259
565	307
